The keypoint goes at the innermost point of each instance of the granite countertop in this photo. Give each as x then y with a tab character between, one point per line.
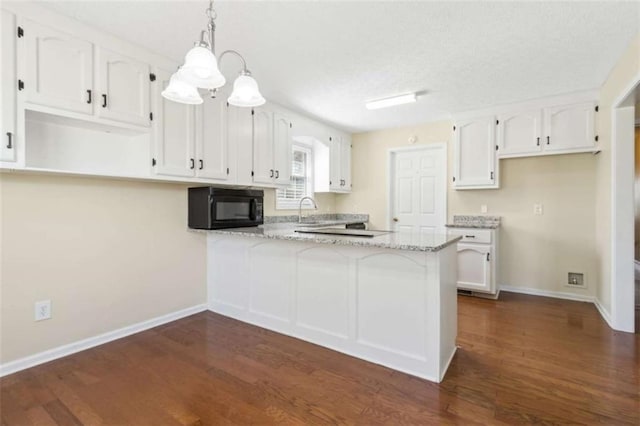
477	222
389	240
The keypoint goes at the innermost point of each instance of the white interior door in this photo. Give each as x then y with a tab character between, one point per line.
418	190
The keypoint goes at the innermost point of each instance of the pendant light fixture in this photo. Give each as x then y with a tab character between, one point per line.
200	70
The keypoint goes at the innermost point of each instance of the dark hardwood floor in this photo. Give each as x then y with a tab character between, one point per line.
522	359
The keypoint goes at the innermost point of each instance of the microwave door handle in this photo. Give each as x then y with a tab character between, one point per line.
252	209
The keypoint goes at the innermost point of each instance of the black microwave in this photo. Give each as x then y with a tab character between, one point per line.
219	208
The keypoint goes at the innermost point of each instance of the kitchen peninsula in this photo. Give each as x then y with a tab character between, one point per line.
389	299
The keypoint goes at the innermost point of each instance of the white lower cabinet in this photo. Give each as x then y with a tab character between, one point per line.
8	89
477	259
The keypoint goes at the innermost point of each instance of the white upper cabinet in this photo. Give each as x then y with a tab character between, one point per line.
271	147
174	133
8	89
240	144
263	168
212	161
59	71
282	148
570	127
475	154
519	133
345	163
122	91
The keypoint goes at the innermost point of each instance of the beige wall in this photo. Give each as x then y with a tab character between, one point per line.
627	68
107	254
535	251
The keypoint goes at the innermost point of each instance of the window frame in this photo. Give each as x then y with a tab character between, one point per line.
290	203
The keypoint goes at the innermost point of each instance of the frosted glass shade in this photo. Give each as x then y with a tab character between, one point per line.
245	92
180	91
200	69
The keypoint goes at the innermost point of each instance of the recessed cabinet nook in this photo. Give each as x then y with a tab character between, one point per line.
558	125
78	101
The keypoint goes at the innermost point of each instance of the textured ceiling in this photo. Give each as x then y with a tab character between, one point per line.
326	58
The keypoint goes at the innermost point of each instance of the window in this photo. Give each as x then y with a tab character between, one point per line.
301	179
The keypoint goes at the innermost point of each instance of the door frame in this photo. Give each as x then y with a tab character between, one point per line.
622	210
442	147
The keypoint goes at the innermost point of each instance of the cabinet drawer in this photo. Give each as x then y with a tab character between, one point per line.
470	235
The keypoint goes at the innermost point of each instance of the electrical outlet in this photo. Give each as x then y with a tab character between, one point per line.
575	279
483	208
43	310
537	209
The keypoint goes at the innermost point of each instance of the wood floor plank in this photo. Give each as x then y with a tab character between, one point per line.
521	360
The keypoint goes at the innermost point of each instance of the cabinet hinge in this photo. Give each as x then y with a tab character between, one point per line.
152	77
153	161
596	138
20	32
20	85
330	138
454	178
251	173
597	108
454	128
228	107
290	125
253	112
227	170
151	116
497	147
497	122
491	175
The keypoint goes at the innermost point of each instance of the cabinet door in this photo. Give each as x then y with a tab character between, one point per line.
475	153
239	144
8	88
569	127
520	134
335	166
174	133
263	168
474	267
122	93
211	146
282	148
59	69
345	163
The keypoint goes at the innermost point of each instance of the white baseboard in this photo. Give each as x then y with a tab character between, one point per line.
548	293
81	345
603	311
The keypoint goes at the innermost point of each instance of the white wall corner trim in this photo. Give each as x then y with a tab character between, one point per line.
603	311
81	345
548	293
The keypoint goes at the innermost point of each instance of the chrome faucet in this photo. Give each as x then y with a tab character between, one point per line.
315	206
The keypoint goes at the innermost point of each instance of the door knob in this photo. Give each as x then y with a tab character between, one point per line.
395	219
